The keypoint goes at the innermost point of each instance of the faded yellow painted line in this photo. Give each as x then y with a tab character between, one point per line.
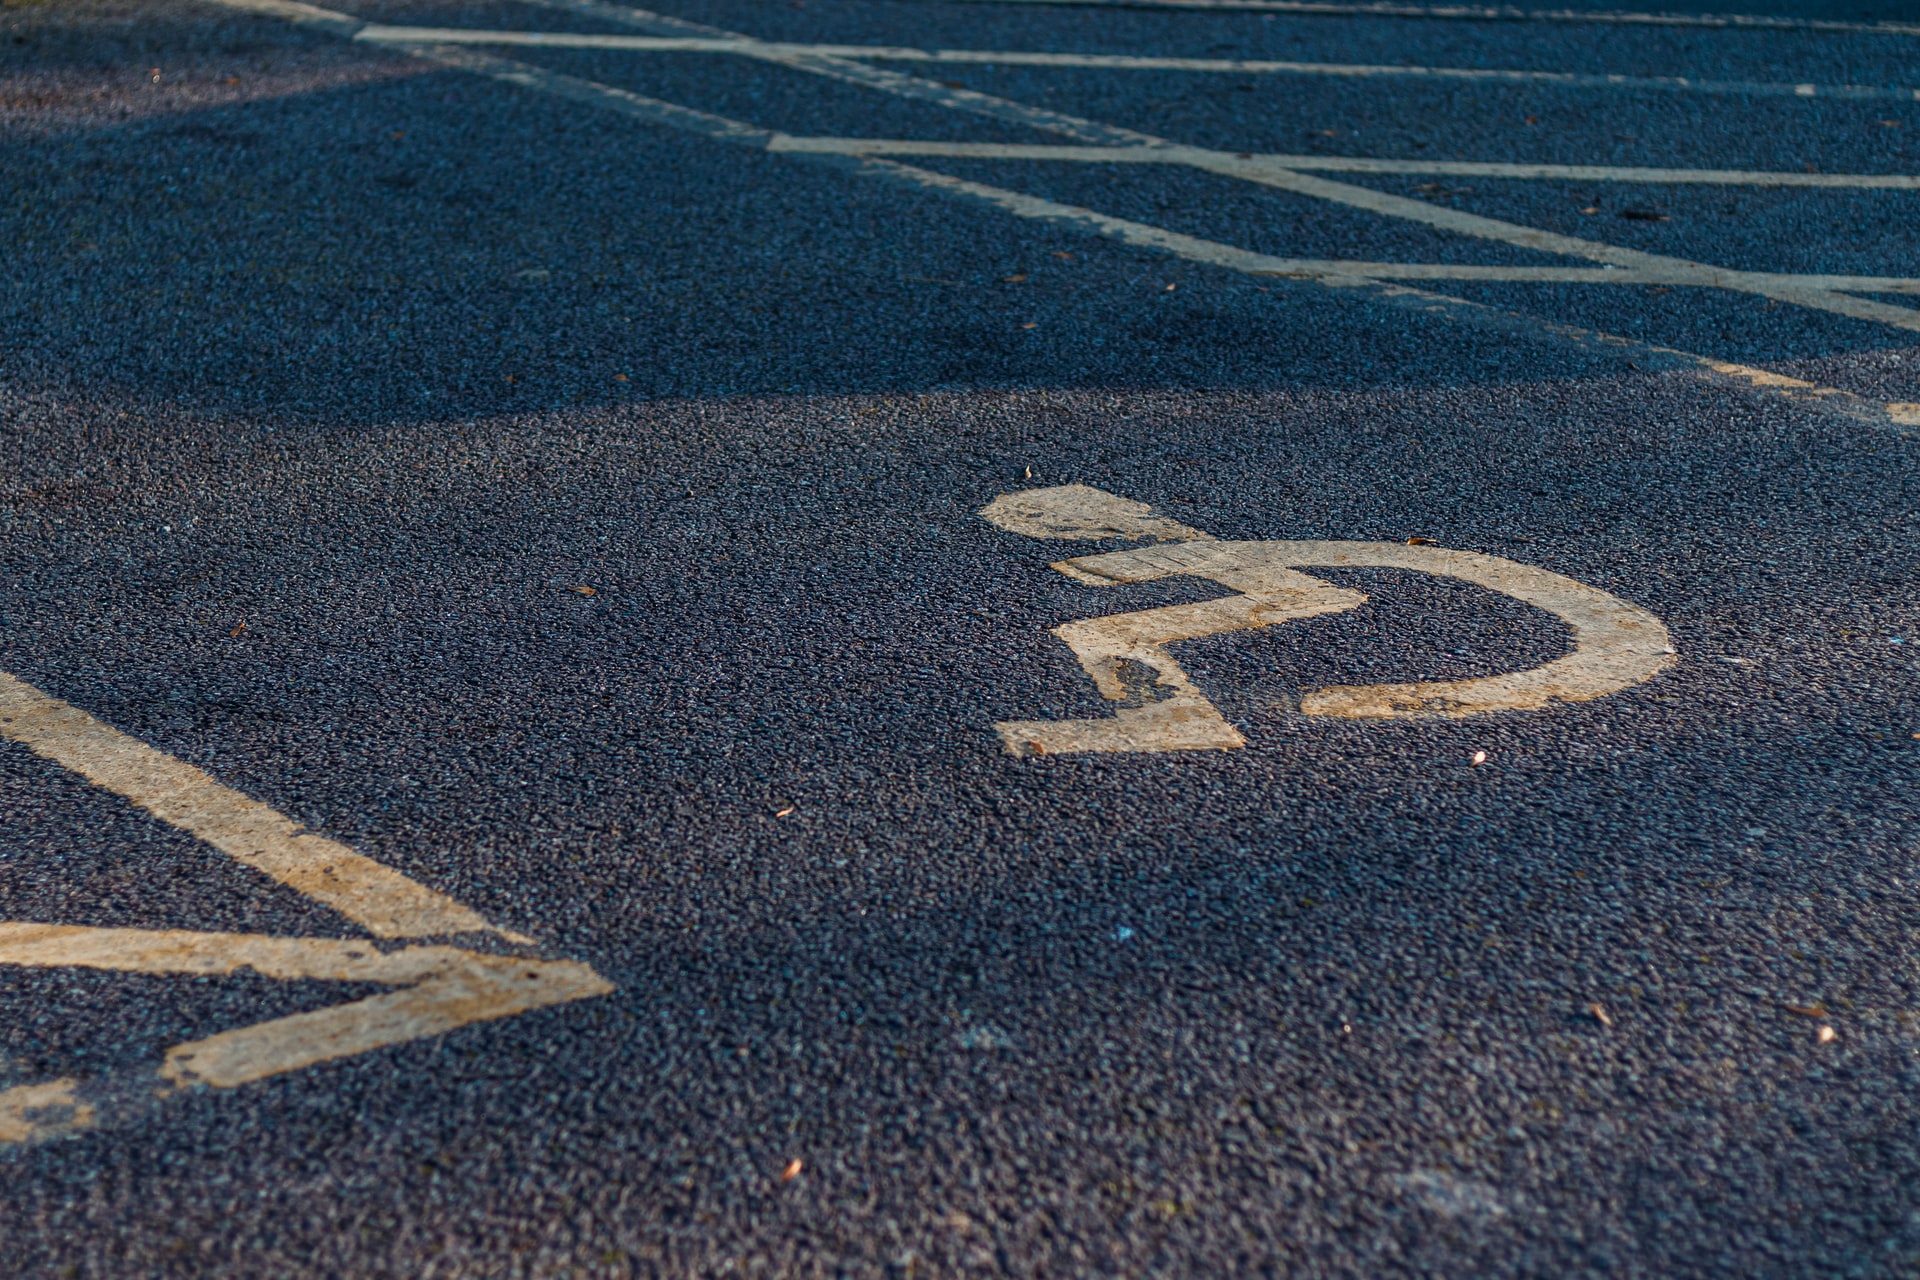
438	987
46	946
1083	513
479	988
1615	644
446	987
378	898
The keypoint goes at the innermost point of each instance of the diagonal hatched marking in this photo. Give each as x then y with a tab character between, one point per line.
378	898
439	987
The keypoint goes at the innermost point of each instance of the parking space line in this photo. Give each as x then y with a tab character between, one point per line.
1569	275
1355	164
1649	356
447	987
377	33
294	11
1646	355
1499	13
849	71
378	898
1317	267
1672	270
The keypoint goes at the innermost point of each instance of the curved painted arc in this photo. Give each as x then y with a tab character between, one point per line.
1615	644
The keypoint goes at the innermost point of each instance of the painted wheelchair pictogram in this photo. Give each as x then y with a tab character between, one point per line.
1615	644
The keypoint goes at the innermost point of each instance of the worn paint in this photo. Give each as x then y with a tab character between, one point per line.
40	1110
378	898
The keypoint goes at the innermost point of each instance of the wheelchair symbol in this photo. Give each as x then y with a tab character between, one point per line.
1615	644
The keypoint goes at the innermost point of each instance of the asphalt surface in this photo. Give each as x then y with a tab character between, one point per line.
329	375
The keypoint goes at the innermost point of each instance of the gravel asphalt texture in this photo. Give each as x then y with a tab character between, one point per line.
383	360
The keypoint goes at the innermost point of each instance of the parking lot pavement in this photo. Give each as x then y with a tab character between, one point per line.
904	637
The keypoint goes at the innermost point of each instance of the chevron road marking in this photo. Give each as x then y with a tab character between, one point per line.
437	987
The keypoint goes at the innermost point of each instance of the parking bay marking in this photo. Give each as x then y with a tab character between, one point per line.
1673	270
1368	164
1650	356
1500	13
380	33
1615	644
438	987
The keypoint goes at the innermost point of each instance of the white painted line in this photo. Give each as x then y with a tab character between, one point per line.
375	33
378	898
1353	164
1649	356
1499	13
849	71
1671	270
294	11
604	96
1615	644
1212	253
1629	266
1575	275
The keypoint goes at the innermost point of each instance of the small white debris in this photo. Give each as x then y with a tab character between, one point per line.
1452	1197
1479	757
985	1036
1123	933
